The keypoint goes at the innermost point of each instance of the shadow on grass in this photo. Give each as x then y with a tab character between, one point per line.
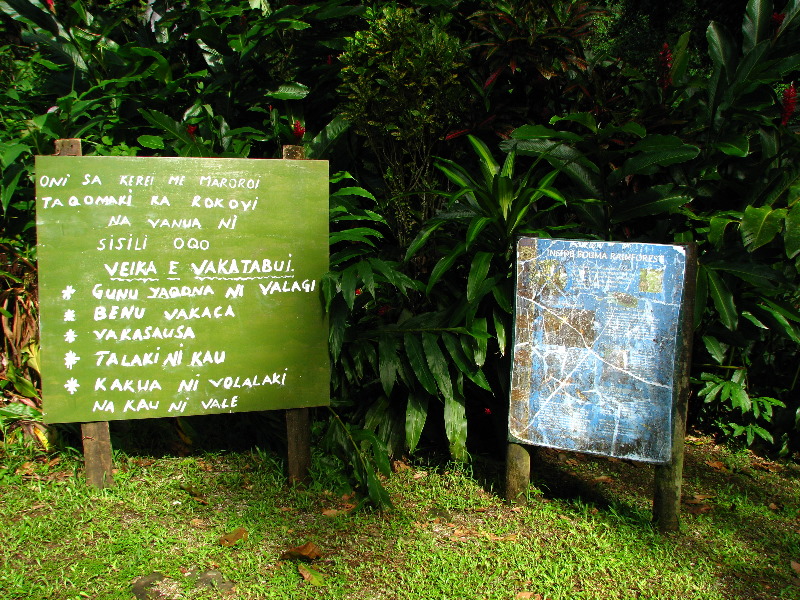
740	513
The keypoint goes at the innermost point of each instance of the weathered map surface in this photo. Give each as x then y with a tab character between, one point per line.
596	333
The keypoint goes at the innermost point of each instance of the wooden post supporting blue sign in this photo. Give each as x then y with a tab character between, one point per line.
601	354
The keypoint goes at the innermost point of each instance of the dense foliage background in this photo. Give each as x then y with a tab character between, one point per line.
453	128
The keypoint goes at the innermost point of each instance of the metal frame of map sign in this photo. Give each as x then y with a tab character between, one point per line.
596	339
180	286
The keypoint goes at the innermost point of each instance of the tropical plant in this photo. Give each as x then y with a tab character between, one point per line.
721	172
396	360
400	90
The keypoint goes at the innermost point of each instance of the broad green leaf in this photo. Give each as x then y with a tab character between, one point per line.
716	230
716	349
349	282
760	225
437	364
488	163
751	272
734	145
18	410
422	237
367	276
480	331
418	362
455	425
680	61
532	132
454	173
740	399
779	321
564	158
290	91
464	364
477	273
355	234
720	48
325	140
700	296
757	23
416	415
645	162
500	331
354	191
388	362
751	317
666	204
723	300
586	119
476	226
11	152
791	236
151	141
21	384
444	265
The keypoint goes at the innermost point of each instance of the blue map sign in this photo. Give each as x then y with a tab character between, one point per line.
596	334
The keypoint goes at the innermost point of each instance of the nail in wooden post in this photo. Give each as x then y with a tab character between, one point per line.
96	437
518	472
669	477
298	420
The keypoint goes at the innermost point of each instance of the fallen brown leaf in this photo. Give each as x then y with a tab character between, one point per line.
510	537
420	474
773	506
527	595
194	493
399	465
306	553
718	465
699	510
603	479
230	539
331	512
698	498
795	566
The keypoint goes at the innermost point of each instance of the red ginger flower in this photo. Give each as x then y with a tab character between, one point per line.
789	103
777	19
298	130
665	67
191	130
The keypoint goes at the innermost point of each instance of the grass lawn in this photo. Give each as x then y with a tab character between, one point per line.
221	525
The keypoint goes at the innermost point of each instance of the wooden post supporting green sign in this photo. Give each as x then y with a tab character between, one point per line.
95	435
181	286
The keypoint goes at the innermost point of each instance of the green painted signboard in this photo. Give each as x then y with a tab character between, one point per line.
180	286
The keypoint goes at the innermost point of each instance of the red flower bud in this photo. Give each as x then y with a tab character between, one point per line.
665	67
298	130
789	103
191	130
358	291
